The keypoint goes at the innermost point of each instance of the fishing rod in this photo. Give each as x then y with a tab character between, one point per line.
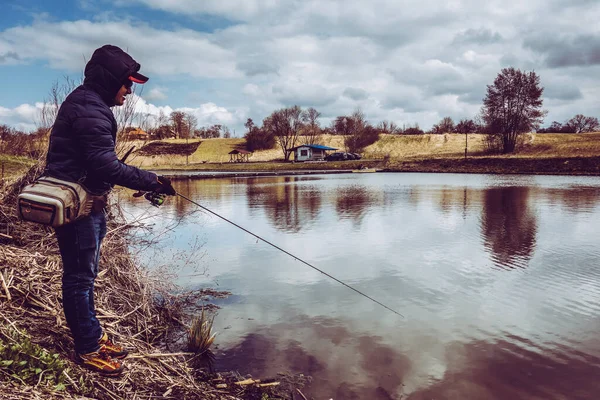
288	253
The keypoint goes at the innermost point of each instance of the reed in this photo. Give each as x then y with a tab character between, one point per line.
142	311
199	340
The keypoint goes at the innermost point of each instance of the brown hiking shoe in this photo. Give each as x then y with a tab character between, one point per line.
100	361
112	349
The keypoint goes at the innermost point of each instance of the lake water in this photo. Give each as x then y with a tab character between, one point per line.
496	276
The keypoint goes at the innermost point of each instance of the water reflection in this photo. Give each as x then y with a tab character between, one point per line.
575	199
353	201
448	199
421	243
508	226
504	370
288	204
342	364
346	364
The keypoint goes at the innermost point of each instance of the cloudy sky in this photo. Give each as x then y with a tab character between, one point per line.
412	61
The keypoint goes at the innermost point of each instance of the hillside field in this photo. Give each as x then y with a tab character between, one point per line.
394	150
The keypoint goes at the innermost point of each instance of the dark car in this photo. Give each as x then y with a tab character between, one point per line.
337	157
341	156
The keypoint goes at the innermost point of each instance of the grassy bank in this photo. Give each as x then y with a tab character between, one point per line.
540	153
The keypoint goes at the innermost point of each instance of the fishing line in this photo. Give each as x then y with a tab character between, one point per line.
290	254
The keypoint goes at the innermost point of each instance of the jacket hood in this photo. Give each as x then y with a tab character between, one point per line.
106	71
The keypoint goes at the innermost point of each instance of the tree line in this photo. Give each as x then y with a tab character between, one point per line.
183	125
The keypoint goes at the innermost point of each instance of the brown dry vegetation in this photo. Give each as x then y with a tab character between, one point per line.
11	166
137	309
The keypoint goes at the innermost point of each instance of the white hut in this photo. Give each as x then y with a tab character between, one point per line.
310	152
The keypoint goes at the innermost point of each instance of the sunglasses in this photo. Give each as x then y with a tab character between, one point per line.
128	84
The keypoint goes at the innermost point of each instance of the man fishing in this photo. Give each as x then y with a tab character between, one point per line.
82	149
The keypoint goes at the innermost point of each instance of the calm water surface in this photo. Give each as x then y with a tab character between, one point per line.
497	277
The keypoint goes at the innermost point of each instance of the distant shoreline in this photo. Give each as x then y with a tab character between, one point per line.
578	166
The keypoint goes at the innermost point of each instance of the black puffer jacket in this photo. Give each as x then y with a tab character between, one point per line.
82	142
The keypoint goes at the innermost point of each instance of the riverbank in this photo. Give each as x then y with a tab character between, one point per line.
502	165
139	309
476	165
557	154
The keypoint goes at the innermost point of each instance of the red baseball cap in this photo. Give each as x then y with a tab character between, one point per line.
138	78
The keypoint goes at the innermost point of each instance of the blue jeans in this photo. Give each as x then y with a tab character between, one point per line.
79	244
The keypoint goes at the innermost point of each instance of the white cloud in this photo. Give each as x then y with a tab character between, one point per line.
207	113
67	44
414	61
237	9
156	93
23	117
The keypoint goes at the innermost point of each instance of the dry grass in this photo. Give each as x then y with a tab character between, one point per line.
13	166
563	145
392	147
453	146
420	146
138	310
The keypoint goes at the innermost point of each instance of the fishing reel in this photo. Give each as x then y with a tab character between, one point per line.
156	199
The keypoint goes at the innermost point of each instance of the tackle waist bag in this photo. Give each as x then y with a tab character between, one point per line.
54	202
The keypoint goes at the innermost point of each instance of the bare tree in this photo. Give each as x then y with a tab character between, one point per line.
285	125
47	115
343	125
312	128
412	129
226	132
512	106
189	124
188	128
388	127
249	125
162	118
580	124
361	134
446	125
177	121
466	126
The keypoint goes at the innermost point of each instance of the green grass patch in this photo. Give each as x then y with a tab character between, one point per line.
30	364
